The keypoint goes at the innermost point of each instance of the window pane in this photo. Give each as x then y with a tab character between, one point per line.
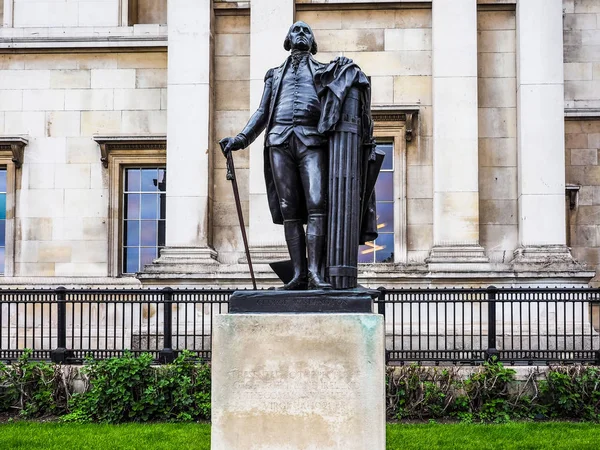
2	206
2	233
132	233
366	253
384	188
385	217
2	180
388	161
384	248
147	256
132	206
2	256
131	256
149	206
144	216
132	180
149	233
149	180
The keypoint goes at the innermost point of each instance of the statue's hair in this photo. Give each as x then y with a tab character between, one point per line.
287	44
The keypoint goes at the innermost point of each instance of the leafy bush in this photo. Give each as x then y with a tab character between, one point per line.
34	389
571	392
128	388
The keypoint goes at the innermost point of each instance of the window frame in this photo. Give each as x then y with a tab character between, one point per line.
119	152
11	158
395	133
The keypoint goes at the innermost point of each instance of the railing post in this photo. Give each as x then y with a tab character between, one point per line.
491	351
167	354
59	354
381	301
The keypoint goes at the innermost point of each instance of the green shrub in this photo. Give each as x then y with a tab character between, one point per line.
129	388
571	392
34	389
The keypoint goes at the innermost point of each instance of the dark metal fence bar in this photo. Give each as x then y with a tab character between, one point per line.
423	326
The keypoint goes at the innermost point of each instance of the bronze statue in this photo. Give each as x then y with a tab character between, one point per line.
300	109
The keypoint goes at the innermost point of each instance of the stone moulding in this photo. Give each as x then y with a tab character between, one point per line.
407	114
14	146
128	142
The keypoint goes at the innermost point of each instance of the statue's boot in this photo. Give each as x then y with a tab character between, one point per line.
315	240
296	243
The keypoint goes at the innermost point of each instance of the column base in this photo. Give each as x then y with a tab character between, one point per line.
266	254
552	258
182	260
458	258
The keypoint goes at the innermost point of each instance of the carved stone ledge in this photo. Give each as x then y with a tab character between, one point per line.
407	114
15	147
111	143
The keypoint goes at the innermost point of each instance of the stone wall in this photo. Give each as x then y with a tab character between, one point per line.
497	92
231	112
582	147
582	53
60	101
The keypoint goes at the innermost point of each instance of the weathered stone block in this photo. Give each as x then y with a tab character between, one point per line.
496	20
368	40
497	152
419	182
232	24
358	19
419	211
226	101
144	60
413	90
144	122
419	237
408	39
497	183
99	122
69	79
497	41
322	20
232	45
137	99
584	157
109	78
151	78
412	18
63	124
298	381
89	99
498	212
497	93
497	65
232	68
72	176
497	122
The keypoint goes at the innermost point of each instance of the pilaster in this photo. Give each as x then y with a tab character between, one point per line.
190	98
455	137
540	130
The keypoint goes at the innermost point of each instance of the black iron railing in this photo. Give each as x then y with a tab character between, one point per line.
424	326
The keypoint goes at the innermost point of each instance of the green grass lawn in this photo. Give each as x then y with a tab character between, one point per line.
33	435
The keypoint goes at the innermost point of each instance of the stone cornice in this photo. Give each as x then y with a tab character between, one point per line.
398	113
13	146
109	143
137	36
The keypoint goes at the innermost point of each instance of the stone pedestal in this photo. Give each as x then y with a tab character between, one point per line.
288	381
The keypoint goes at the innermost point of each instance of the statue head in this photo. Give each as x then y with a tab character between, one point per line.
301	37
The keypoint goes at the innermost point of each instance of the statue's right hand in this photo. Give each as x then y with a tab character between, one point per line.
231	144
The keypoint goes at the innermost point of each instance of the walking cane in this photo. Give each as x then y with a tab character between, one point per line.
238	206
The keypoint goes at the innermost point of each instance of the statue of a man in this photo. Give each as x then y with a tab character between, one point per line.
295	155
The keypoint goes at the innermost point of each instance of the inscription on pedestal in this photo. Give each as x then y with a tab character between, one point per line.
298	381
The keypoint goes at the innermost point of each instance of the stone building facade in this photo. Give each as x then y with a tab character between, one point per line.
111	112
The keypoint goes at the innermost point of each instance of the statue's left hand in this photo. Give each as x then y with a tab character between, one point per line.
342	60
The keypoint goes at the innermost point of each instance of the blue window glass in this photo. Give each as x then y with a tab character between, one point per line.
143	231
381	250
2	218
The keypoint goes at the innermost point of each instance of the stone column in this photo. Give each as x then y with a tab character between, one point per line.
455	135
190	93
540	131
269	23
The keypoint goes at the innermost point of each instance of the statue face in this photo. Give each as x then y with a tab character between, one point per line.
301	36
